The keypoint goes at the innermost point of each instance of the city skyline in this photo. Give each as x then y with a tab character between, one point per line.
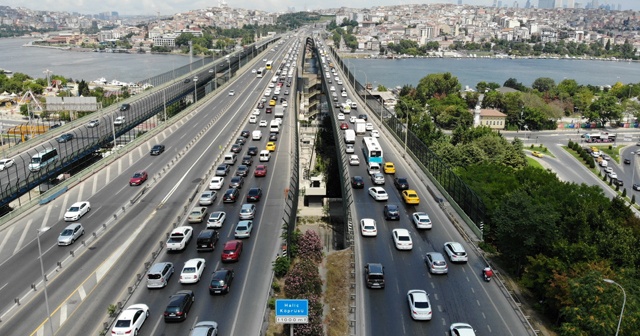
168	7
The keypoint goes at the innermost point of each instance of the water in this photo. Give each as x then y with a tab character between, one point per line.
89	66
470	71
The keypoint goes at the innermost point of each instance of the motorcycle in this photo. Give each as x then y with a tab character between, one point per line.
487	273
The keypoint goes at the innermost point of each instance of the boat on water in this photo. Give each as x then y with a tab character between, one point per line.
100	81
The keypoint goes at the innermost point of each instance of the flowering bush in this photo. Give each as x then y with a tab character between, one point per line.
303	280
314	327
310	246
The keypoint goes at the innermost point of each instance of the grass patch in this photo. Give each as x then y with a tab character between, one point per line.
540	148
614	152
336	297
534	163
595	170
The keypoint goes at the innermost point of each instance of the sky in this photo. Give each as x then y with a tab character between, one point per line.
168	7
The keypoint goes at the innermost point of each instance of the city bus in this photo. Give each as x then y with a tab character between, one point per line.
260	72
43	159
372	150
268	66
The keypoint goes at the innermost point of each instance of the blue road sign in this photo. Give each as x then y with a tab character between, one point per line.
292	311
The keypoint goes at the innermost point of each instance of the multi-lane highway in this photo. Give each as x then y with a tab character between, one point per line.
459	296
78	302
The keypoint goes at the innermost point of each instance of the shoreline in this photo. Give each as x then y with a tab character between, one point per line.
545	57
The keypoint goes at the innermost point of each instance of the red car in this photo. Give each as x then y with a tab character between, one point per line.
261	171
231	251
138	178
344	126
268	110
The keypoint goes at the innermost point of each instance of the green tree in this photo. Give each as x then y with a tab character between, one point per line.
544	84
437	85
604	109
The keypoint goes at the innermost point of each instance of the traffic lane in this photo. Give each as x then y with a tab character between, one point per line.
628	170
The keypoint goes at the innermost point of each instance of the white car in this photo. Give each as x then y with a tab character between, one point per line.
378	193
253	119
131	320
344	93
263	123
192	270
368	127
284	103
216	219
419	305
119	121
609	169
421	220
339	81
353	160
232	93
352	119
253	71
267	92
350	149
402	239
179	238
455	252
613	175
5	163
375	133
368	227
333	88
216	183
340	116
462	329
76	210
255	112
272	85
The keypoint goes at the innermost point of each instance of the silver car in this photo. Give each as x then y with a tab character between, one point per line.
205	328
197	215
436	263
207	197
248	211
243	229
70	234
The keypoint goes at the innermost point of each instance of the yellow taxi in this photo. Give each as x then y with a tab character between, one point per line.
537	154
271	146
410	197
272	102
389	168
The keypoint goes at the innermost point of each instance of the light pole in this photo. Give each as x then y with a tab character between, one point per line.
406	129
113	130
366	80
44	279
633	169
624	301
195	88
229	72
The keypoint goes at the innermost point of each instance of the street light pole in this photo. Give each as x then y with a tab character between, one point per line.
406	129
624	301
44	279
195	88
113	130
633	169
229	72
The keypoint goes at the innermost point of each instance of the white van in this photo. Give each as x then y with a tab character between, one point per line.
604	163
274	127
256	135
264	155
230	158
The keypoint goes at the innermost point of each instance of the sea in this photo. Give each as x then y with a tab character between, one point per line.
36	62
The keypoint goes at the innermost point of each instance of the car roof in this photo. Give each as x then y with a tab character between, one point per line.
375	267
181	229
455	246
419	295
72	226
193	262
231	244
401	232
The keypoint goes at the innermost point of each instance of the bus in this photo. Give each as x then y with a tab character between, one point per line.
372	150
260	72
43	159
268	66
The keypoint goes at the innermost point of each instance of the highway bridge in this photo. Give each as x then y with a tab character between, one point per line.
127	227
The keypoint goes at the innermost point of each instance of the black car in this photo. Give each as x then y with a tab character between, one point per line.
362	116
157	150
273	137
282	99
268	110
254	194
636	186
236	148
288	84
391	212
357	182
247	160
231	195
618	182
245	134
627	161
337	104
65	137
253	150
242	170
260	105
221	281
241	141
401	183
179	305
236	182
187	80
124	107
275	97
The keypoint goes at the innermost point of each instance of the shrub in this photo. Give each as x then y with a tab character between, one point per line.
624	192
310	246
302	280
271	303
610	147
314	327
275	286
633	199
532	146
281	266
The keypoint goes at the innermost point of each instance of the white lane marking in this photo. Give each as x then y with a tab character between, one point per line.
82	293
63	314
94	188
6	237
82	185
64	205
46	215
22	236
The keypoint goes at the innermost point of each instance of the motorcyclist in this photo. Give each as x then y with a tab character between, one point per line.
488	272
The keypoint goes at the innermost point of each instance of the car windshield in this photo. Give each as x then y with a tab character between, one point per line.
123	323
74	209
195	213
67	232
216	282
137	175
